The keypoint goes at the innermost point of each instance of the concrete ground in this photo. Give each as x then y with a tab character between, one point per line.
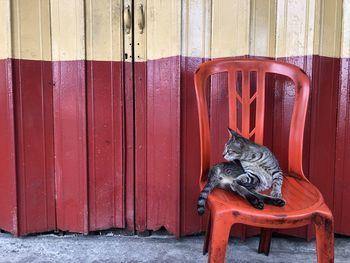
156	248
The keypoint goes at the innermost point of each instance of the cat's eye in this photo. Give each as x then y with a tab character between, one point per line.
238	144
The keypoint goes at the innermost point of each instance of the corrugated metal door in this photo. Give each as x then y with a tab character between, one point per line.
64	117
98	115
157	116
27	181
91	120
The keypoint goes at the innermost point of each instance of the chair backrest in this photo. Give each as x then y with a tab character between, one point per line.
244	68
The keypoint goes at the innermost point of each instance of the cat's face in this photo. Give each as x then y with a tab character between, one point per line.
235	146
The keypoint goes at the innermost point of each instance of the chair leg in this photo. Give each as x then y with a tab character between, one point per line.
220	231
207	237
324	239
265	241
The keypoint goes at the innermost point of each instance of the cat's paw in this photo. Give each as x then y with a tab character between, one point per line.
200	211
256	202
278	202
276	194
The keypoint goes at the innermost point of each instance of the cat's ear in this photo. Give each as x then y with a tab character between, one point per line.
232	132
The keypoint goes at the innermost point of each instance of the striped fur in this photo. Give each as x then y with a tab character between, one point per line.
252	168
222	176
257	160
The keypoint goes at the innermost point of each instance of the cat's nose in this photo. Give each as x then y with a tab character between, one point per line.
224	153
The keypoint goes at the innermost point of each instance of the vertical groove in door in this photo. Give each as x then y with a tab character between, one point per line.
129	200
140	96
104	46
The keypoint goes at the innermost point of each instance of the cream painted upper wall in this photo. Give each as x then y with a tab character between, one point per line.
274	28
329	28
163	28
345	48
31	29
104	30
230	28
196	28
92	29
140	35
5	29
295	28
68	29
262	28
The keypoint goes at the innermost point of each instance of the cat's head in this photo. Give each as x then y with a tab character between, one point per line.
235	146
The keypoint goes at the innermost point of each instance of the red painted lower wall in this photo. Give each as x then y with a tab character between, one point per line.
8	191
34	145
190	222
324	125
141	102
70	145
129	149
106	173
342	164
125	141
162	142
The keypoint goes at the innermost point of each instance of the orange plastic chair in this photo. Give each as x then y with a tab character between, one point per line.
304	202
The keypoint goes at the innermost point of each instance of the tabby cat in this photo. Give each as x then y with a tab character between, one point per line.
252	168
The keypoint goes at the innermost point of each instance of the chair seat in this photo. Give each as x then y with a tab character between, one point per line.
302	200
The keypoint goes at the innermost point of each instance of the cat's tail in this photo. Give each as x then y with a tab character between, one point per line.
203	196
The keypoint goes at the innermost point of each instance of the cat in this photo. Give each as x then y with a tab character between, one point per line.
251	168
